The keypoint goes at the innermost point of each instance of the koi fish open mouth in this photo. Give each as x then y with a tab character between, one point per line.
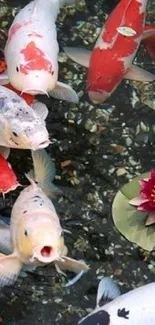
45	254
46	251
34	92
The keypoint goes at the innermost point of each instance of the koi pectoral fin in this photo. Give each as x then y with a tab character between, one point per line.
41	109
4	79
139	74
72	265
5	152
10	267
79	55
67	263
64	92
44	172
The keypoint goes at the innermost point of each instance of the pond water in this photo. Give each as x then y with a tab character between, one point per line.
107	144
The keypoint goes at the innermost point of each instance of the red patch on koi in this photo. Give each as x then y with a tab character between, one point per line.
34	34
114	20
107	72
35	59
127	13
3	65
15	28
8	178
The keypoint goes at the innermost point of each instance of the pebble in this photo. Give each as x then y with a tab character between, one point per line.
90	126
89	310
133	162
128	142
144	127
118	272
121	171
150	266
45	302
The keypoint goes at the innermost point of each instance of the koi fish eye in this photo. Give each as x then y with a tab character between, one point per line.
52	72
17	69
15	133
26	232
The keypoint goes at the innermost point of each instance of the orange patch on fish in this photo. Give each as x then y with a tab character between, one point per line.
3	65
35	59
8	179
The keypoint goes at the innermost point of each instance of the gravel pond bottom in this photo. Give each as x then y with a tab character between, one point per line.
96	150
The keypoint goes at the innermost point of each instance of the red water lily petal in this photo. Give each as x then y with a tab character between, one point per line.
143	183
150	219
137	201
153	175
145	195
146	206
146	199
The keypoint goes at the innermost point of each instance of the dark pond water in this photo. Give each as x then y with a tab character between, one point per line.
108	145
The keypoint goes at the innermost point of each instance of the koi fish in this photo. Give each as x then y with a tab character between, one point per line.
31	52
35	236
22	126
8	179
111	60
136	307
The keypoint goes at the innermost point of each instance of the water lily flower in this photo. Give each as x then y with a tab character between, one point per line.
146	199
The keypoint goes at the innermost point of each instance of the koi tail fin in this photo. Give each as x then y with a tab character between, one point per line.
10	267
44	172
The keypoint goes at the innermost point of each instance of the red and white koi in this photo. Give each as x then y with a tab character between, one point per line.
31	52
111	60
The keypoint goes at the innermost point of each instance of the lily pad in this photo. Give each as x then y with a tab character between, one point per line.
128	220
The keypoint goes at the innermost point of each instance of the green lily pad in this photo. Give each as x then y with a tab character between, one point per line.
128	220
131	189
